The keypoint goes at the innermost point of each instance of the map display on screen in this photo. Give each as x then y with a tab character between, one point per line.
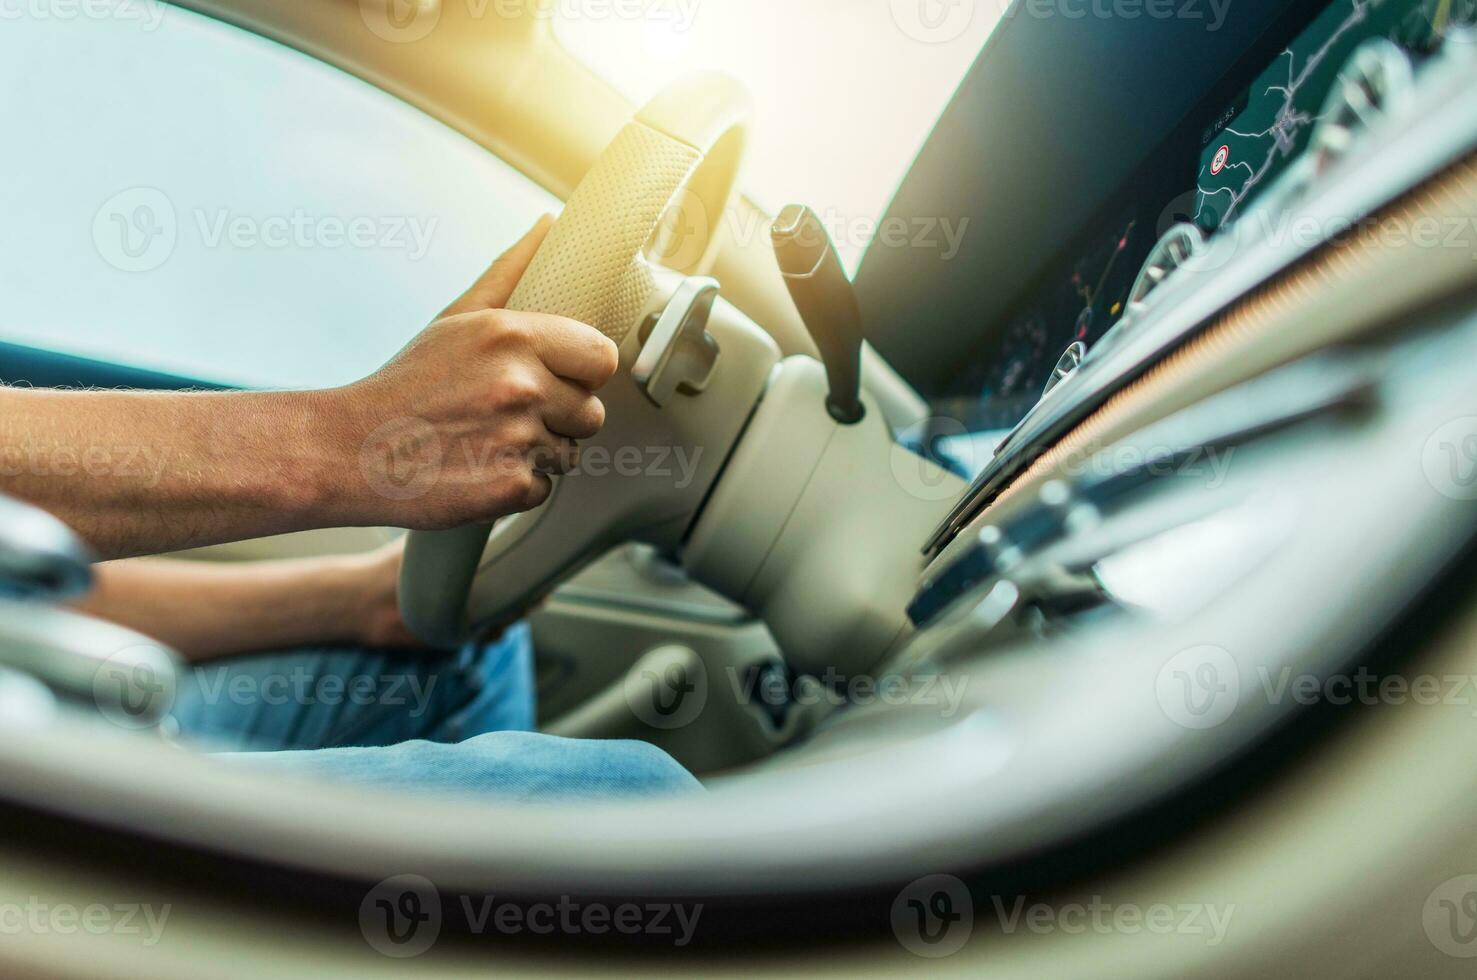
1251	143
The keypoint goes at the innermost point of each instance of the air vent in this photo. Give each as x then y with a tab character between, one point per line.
1375	82
1177	247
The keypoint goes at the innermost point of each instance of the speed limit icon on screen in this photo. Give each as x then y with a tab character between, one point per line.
1221	158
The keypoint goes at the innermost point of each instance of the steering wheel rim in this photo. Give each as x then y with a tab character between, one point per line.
651	199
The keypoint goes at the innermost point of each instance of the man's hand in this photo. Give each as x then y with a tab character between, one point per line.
374	579
468	423
464	426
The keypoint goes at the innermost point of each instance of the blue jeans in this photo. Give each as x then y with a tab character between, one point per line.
460	722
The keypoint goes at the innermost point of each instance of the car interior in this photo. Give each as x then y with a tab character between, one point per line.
1039	486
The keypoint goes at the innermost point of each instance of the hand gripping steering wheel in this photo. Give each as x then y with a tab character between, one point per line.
647	207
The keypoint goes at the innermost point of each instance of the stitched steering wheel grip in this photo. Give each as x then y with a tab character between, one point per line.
654	196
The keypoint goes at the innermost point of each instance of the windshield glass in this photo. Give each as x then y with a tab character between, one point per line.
187	197
845	91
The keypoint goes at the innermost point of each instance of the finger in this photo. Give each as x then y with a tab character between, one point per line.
538	491
570	410
560	457
572	350
493	287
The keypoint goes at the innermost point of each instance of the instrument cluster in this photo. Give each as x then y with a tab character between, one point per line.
1283	115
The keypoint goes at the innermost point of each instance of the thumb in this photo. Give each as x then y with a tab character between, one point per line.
493	287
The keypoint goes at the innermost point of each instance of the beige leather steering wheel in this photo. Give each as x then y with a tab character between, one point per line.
650	201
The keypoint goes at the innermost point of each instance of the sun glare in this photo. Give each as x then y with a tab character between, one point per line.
845	91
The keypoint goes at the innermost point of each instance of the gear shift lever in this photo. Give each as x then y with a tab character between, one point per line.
827	303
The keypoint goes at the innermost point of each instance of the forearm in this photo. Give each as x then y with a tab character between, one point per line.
207	610
466	425
142	472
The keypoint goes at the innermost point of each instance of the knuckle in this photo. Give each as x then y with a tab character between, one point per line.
527	436
518	483
539	489
607	358
518	389
592	415
543	457
502	329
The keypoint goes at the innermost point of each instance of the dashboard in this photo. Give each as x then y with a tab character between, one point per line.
1216	165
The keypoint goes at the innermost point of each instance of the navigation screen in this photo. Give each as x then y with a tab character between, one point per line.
1253	141
1239	139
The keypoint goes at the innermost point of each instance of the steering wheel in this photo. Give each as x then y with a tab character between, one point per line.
641	218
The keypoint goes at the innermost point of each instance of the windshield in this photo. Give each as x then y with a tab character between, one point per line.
251	226
836	129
